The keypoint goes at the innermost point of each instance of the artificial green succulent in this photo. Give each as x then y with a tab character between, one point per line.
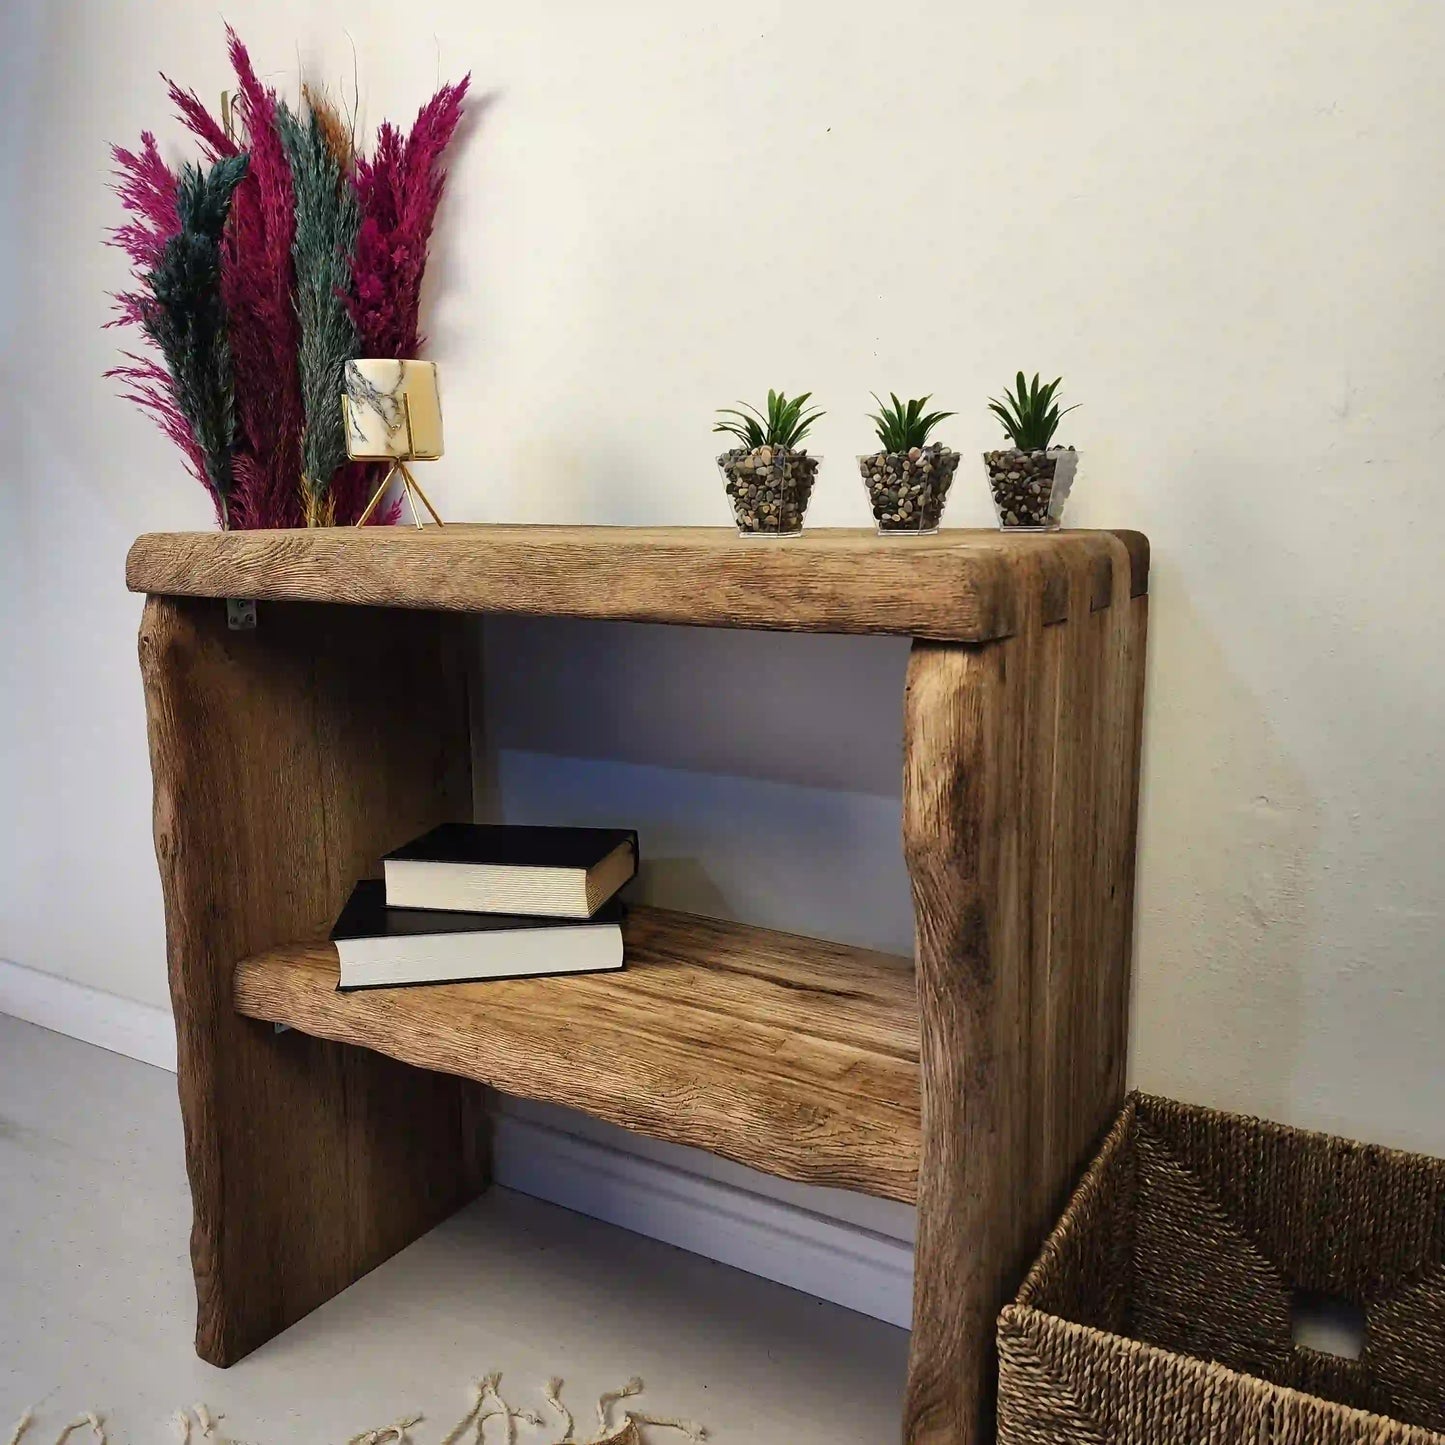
902	427
784	425
1030	415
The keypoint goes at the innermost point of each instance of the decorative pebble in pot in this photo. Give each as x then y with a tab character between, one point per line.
1030	480
769	478
908	480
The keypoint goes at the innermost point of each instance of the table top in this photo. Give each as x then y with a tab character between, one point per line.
957	585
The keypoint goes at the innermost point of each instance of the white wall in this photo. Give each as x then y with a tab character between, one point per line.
1222	223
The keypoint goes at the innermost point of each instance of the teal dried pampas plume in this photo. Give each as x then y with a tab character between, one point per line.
327	216
186	317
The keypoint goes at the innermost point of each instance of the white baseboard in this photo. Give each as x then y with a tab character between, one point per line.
121	1025
845	1248
749	1220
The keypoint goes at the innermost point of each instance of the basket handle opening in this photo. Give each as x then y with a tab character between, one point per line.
1329	1324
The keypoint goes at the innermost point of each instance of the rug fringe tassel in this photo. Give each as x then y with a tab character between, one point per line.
465	1423
181	1425
610	1397
491	1390
487	1404
91	1419
690	1428
399	1432
552	1394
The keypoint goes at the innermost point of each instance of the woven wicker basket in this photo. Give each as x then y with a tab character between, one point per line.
1161	1310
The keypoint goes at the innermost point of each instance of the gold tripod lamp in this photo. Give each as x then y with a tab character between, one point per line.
393	413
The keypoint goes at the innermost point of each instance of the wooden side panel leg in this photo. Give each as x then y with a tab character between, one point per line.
286	761
1020	791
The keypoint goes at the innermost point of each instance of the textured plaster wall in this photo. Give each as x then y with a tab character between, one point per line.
1222	223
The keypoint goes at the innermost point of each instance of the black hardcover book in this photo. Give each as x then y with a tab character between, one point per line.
383	947
502	868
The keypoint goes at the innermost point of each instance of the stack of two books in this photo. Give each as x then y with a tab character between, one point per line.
471	901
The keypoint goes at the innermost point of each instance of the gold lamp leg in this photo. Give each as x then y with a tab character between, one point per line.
377	495
426	501
406	486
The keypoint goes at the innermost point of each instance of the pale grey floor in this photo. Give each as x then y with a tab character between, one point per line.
96	1303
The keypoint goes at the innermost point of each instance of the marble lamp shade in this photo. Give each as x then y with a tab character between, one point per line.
393	410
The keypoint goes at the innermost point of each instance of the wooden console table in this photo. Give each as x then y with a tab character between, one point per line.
289	758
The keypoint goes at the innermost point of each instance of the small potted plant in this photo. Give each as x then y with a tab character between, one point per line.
1030	480
769	477
908	480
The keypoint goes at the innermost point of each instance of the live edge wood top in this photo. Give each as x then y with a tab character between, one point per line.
957	585
786	1053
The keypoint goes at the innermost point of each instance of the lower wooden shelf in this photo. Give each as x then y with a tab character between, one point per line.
792	1055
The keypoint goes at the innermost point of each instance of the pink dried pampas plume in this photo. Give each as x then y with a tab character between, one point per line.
400	188
146	186
256	283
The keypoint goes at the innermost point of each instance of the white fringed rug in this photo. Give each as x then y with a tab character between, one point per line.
490	1419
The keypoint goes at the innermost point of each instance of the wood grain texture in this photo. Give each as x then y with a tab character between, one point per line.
959	585
792	1055
285	761
1020	801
